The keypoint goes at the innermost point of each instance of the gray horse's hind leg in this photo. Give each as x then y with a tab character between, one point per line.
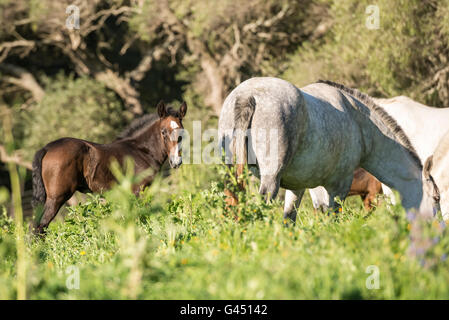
320	198
269	186
292	202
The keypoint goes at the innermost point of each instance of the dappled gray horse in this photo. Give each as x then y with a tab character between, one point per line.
323	132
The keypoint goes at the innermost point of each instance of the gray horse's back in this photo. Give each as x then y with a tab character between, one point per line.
330	128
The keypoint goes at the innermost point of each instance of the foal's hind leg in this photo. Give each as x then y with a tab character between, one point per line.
292	202
60	181
51	208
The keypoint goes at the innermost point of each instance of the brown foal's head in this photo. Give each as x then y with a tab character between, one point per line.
171	131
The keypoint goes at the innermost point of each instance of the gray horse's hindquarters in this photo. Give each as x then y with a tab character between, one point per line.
322	133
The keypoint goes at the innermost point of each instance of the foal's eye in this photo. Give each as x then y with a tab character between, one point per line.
164	132
179	139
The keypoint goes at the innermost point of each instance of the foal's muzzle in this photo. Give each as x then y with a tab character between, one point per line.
175	162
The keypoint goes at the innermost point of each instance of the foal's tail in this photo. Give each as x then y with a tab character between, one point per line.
39	194
243	112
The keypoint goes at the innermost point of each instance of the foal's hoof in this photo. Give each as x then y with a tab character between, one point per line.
38	231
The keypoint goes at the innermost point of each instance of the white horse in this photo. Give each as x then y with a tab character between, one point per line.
423	125
438	167
324	132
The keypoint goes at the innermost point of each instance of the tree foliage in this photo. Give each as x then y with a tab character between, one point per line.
407	55
80	108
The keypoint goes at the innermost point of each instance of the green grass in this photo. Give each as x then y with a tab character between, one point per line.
178	241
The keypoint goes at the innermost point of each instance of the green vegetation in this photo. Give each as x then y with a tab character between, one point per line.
191	247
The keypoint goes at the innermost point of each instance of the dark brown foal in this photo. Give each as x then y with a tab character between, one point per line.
367	186
68	164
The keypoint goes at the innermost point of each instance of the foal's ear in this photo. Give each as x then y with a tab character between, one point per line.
161	109
183	110
428	166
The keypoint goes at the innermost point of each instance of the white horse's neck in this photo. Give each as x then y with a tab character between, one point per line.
418	120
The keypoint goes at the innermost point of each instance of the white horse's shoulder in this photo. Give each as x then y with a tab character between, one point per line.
442	150
440	173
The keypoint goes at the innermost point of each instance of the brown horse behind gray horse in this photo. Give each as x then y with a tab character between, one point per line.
367	186
68	164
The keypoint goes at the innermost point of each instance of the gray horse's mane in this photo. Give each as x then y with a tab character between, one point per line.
141	123
390	122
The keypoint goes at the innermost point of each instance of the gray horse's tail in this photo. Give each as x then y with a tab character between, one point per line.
243	112
39	193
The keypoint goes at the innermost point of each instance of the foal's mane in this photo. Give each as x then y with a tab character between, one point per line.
139	124
389	121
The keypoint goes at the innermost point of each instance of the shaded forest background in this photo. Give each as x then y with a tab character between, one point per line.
127	55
